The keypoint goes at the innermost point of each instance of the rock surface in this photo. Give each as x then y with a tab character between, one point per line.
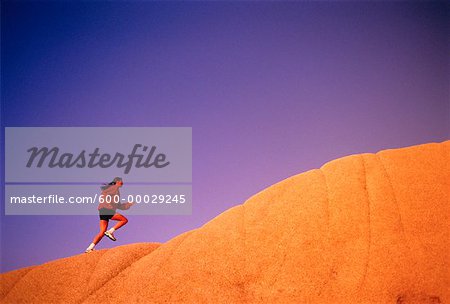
364	228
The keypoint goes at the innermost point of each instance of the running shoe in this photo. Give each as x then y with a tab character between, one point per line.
110	236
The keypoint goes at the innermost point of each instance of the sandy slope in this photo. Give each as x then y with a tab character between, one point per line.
365	228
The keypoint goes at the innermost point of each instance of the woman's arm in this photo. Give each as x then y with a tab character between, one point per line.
125	206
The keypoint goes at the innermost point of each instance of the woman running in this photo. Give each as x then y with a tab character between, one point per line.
109	202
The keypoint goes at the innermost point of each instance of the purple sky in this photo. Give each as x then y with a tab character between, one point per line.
270	89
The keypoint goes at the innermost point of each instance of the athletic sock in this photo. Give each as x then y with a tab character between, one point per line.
111	230
91	246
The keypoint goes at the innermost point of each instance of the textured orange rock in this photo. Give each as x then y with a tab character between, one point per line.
365	228
69	280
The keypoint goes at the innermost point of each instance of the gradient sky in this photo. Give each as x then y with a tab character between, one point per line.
270	89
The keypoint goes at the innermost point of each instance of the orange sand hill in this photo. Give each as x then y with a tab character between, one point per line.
366	228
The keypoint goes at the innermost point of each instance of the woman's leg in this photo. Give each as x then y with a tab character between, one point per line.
122	220
99	236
